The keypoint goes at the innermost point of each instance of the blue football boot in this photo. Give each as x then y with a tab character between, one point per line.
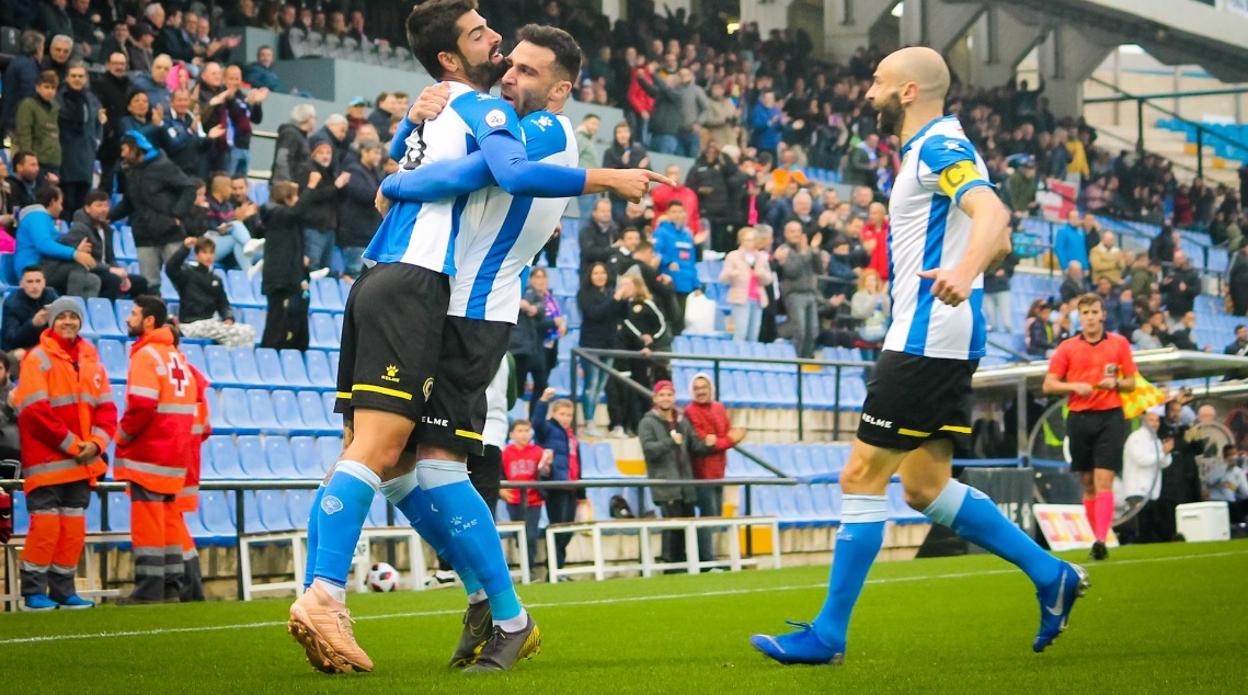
1056	601
76	603
800	647
39	602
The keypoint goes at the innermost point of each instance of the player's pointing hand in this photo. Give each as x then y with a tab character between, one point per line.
948	286
430	103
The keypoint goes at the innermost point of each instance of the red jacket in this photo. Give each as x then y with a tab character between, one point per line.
521	463
161	402
879	255
638	98
711	418
663	195
188	498
63	402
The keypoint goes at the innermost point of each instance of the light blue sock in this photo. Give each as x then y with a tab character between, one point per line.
972	515
857	544
404	493
339	518
313	537
457	507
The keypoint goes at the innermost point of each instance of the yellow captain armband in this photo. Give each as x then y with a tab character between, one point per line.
958	177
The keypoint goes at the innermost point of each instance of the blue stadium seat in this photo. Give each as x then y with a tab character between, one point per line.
216	416
281	458
299	507
220	368
322	331
331	297
246	370
214	513
330	449
332	356
285	411
237	408
251	455
103	318
207	468
122	307
115	358
270	365
168	292
272	510
118	513
195	355
225	458
294	369
312	411
306	457
318	369
238	288
335	420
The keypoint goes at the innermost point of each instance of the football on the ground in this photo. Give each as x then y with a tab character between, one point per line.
383	577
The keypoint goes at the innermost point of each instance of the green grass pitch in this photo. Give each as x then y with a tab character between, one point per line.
1166	618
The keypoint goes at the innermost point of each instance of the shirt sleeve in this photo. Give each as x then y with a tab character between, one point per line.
486	115
1127	368
1059	363
440	180
949	165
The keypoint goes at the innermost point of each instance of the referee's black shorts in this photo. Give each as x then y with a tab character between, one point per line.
392	340
913	399
1096	439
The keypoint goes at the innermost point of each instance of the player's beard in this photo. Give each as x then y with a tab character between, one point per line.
891	115
528	102
486	75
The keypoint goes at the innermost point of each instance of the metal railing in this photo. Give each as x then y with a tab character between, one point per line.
1142	100
592	356
238	487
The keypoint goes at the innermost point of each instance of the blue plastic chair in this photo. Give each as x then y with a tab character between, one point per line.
270	365
104	318
305	457
281	459
195	355
216	517
312	411
330	449
323	333
225	458
293	368
251	454
318	374
238	288
331	297
115	358
329	398
299	507
263	412
220	366
246	370
237	410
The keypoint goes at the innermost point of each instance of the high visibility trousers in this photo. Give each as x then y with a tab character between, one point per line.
193	586
58	531
156	536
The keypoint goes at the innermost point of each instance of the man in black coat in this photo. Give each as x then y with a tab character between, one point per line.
598	236
81	129
1237	280
712	177
1180	286
321	218
358	219
111	88
157	196
24	314
27	177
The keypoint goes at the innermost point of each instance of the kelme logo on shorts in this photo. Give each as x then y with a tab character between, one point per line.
331	505
428	388
391	374
886	424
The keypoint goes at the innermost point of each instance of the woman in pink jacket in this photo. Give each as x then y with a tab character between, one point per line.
747	271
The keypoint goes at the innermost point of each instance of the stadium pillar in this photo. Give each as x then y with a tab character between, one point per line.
937	24
1068	55
767	14
1001	40
847	25
613	10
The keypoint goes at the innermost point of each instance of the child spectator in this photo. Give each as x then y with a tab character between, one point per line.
524	460
557	435
38	127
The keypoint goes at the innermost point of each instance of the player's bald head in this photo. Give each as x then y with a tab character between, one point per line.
919	65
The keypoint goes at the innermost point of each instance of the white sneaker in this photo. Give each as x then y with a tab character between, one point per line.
318	274
253	247
618	433
255	268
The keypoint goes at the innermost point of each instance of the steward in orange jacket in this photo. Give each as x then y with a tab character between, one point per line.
66	417
187	500
161	397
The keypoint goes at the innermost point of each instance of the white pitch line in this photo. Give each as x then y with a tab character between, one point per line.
589	602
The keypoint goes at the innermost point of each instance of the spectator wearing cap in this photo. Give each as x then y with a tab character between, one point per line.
260	72
157	196
1021	189
355	113
667	443
68	267
714	436
291	153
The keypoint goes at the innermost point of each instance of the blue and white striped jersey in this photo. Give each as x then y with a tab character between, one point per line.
424	234
928	230
501	233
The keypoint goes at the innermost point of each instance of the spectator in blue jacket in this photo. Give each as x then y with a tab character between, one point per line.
24	315
260	73
37	244
677	251
556	434
1070	243
766	123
